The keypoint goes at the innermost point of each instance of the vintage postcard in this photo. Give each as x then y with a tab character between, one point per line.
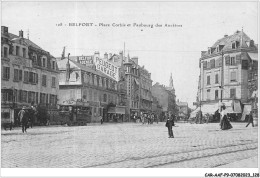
91	85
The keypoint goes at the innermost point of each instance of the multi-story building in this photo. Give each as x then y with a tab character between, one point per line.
146	99
132	77
224	72
29	75
88	86
165	96
157	108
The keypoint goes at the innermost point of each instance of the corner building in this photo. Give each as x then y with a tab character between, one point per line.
224	73
29	75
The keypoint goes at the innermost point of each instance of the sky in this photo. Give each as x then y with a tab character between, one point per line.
162	50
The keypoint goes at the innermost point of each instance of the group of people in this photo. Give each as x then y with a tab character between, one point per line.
149	118
26	117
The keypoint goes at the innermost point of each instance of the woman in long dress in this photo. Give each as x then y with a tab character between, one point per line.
225	122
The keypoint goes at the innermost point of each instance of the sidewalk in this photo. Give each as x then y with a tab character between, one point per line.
245	163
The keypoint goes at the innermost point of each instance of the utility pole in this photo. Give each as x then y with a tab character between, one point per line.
222	76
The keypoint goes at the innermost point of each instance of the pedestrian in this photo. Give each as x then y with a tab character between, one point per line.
23	118
101	119
250	119
172	117
225	122
169	124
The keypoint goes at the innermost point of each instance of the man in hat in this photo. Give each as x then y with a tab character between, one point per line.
250	119
23	119
169	124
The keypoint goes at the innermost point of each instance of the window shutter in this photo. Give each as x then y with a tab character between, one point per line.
227	59
238	59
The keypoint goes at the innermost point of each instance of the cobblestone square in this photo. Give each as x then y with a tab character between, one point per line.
129	145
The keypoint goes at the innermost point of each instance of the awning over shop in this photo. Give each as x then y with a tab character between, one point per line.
209	108
246	111
237	107
116	110
253	56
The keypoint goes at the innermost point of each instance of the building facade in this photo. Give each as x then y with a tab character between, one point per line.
224	72
88	86
146	98
29	75
165	96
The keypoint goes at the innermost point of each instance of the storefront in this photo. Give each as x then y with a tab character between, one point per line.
117	113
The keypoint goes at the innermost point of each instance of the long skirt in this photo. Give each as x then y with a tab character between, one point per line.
225	124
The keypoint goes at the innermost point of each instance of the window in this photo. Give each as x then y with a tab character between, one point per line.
232	61
6	73
34	59
43	62
233	77
52	99
49	63
24	52
24	97
227	59
208	80
105	98
20	75
42	98
47	98
29	97
31	77
17	51
233	93
20	96
208	65
36	98
53	65
234	45
212	63
90	95
16	75
53	82
26	76
44	80
216	94
216	78
5	52
39	62
208	94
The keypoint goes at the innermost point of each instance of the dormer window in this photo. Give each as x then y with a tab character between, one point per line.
235	44
217	49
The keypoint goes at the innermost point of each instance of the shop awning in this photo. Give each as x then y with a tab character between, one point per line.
209	108
253	56
116	110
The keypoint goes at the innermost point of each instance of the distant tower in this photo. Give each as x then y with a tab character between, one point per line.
171	82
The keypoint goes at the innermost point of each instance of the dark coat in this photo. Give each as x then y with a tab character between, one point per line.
169	123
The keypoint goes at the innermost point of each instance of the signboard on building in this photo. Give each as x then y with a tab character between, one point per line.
85	60
107	68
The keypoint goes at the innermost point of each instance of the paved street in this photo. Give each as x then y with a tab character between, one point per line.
130	145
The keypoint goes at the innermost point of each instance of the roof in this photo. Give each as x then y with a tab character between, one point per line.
227	42
75	65
29	42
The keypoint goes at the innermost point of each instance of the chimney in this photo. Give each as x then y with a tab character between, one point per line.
105	55
252	43
4	30
225	35
21	34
